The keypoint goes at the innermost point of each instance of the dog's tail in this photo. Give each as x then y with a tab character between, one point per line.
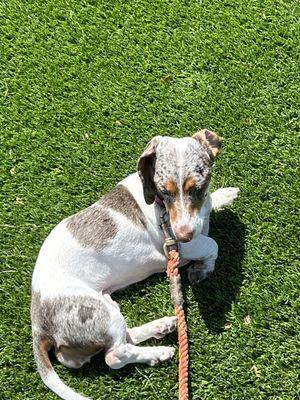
41	346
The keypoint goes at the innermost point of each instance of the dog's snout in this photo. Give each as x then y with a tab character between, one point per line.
184	234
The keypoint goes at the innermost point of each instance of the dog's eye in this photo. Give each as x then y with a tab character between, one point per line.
196	192
165	193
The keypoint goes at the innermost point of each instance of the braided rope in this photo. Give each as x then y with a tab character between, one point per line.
175	288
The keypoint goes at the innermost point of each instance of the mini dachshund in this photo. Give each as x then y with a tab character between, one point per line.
116	242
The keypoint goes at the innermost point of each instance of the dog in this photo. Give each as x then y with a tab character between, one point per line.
116	242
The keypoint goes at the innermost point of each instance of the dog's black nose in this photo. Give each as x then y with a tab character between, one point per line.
184	234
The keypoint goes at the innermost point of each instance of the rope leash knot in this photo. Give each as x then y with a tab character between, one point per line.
172	253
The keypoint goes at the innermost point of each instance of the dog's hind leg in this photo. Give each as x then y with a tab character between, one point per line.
155	329
120	349
120	355
223	197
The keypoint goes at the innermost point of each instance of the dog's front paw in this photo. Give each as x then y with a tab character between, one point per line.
161	354
198	272
224	197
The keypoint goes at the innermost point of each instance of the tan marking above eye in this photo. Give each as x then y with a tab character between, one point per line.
189	184
171	187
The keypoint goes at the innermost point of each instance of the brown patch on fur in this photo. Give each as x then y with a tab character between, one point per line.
75	352
76	322
42	342
172	212
85	312
122	201
41	316
93	227
209	139
171	187
189	184
35	306
44	346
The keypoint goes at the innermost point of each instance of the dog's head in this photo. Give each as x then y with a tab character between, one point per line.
178	171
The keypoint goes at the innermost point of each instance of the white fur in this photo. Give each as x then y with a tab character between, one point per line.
223	197
61	389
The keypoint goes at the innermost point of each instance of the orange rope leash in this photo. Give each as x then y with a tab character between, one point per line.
176	295
171	251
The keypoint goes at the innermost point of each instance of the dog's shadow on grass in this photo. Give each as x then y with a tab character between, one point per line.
216	294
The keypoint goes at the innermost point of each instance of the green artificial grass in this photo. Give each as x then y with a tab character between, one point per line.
84	86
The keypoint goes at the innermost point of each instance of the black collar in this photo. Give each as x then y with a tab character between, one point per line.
159	201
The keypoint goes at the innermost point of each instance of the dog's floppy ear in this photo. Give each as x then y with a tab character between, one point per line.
210	140
145	169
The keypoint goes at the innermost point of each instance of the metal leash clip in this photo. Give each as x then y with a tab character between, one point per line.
170	242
